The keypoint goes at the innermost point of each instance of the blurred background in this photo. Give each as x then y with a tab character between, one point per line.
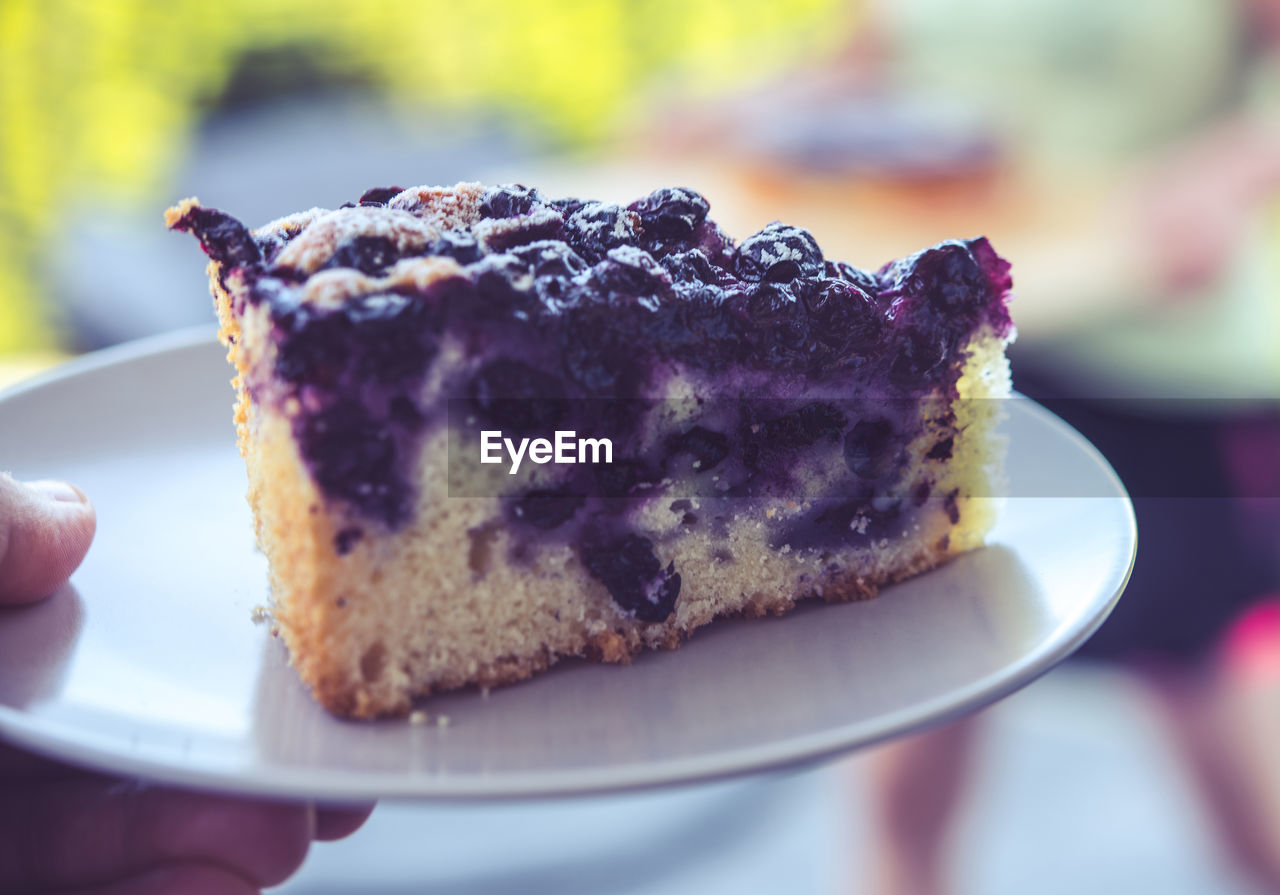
1124	156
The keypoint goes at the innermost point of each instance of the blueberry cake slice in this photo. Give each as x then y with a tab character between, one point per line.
782	426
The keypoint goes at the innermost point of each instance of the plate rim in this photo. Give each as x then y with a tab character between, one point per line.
58	740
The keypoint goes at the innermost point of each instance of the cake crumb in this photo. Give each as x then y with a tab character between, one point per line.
442	721
260	614
418	717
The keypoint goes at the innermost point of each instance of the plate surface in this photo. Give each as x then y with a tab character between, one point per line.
148	662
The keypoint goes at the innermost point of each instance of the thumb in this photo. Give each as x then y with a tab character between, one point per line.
45	530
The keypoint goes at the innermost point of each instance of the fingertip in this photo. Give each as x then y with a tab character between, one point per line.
339	823
46	528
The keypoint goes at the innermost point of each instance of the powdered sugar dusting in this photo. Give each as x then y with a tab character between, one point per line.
317	243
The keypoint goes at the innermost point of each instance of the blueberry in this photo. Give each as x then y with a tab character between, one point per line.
550	258
692	266
384	337
354	457
597	356
546	509
379	195
392	336
779	253
628	568
920	352
345	540
223	238
671	212
872	450
311	346
844	320
508	233
947	277
941	450
781	323
513	395
620	478
508	201
371	255
567	206
597	227
832	522
459	245
707	447
715	244
803	427
504	286
629	271
863	279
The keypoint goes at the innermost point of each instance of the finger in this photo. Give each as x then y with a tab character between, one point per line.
45	530
188	879
90	831
339	823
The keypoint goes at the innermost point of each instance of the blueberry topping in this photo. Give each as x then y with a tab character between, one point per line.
691	269
863	279
780	324
345	541
872	450
947	276
629	569
920	351
223	238
379	195
941	450
355	458
597	227
508	201
567	206
513	395
840	522
621	478
546	509
550	258
669	218
802	427
844	320
599	358
560	299
458	245
707	447
370	255
779	253
508	233
631	273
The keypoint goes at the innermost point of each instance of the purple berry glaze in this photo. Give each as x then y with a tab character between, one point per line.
576	312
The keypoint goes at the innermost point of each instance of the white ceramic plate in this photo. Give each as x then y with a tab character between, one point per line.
148	662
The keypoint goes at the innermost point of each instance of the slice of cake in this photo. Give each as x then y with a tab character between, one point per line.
486	429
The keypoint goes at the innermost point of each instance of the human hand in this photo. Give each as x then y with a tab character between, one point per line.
73	831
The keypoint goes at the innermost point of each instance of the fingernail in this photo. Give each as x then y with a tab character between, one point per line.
60	492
